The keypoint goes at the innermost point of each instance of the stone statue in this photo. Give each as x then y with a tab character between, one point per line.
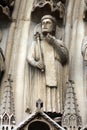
84	48
48	55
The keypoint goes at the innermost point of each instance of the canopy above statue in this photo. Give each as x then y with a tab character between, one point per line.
45	7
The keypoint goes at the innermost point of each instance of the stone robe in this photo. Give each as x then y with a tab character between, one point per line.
47	85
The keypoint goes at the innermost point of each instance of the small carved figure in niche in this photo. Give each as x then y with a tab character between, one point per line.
84	48
48	55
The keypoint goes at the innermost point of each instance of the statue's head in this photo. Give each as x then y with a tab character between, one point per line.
48	24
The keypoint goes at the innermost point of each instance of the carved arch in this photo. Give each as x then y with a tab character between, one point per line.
5	119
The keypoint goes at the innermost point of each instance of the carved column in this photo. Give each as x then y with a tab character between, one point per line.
84	54
76	61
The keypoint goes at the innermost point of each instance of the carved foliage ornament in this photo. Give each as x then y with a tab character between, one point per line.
55	8
6	8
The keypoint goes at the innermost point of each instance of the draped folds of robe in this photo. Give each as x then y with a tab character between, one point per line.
47	85
29	84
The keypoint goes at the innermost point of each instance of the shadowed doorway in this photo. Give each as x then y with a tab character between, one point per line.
38	125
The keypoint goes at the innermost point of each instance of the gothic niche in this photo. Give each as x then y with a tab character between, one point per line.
6	8
47	55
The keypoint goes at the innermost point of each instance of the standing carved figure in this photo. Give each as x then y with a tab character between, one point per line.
47	55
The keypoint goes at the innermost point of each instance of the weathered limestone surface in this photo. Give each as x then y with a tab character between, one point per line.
16	51
16	42
76	61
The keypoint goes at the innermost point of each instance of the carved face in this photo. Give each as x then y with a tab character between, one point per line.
47	26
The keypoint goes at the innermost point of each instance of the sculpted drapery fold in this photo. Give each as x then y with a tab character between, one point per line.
47	55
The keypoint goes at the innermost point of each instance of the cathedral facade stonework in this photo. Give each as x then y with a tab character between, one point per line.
43	64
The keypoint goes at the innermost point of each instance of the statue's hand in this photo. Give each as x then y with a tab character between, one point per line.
50	39
40	65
